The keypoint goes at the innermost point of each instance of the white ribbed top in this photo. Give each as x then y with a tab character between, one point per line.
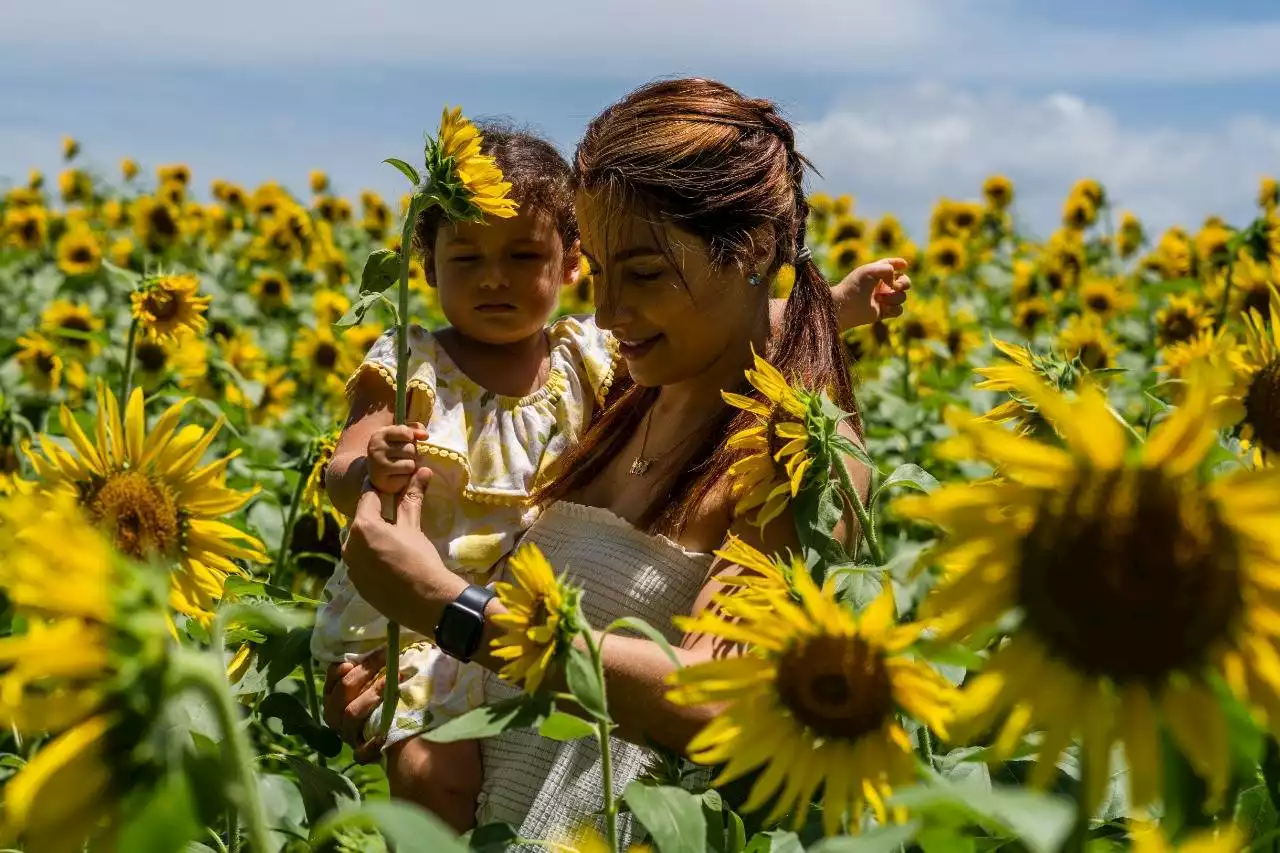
546	788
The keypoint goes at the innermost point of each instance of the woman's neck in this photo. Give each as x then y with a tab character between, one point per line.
698	398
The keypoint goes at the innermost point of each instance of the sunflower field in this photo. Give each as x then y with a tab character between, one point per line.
1059	631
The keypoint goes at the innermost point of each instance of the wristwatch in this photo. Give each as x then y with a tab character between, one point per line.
461	625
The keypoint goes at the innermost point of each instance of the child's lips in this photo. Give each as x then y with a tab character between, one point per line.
496	308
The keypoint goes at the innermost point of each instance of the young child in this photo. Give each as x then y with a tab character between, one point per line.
493	400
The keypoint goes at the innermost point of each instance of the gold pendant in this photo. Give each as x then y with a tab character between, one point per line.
640	466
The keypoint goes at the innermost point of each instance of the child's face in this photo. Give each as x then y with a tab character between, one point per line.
500	280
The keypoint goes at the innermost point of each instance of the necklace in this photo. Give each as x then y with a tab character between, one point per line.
641	464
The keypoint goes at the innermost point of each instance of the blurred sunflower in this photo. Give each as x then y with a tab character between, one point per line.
1251	283
165	305
1085	337
40	362
814	701
129	168
79	252
1078	212
1103	296
26	227
961	337
62	316
1268	193
946	256
842	205
998	191
319	355
172	193
314	496
177	173
151	362
844	256
887	233
155	223
1173	256
121	252
539	615
271	290
74	186
1030	313
242	353
329	306
1006	378
1254	400
89	669
1063	262
152	496
762	481
1148	837
1180	320
1211	245
1130	237
70	148
846	228
318	180
466	183
35	179
1090	189
1207	345
1187	566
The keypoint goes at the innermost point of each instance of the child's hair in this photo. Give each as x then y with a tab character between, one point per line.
541	180
700	155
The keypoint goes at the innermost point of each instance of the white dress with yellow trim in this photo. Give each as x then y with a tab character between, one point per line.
486	450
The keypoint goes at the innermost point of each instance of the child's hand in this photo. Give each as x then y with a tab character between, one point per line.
392	456
874	291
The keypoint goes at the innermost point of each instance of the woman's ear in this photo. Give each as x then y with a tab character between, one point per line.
573	264
764	246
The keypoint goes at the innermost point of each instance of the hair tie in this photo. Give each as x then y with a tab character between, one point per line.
804	255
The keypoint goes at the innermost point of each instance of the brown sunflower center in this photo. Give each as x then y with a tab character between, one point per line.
271	287
948	258
326	355
162	305
151	356
914	330
1129	575
140	512
162	222
1100	302
1257	299
80	254
880	332
46	362
836	686
1030	317
964	219
1177	327
1262	406
29	230
1093	356
955	342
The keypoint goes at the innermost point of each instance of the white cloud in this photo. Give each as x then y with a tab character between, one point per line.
900	150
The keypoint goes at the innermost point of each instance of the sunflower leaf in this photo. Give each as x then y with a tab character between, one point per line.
405	825
886	839
518	712
585	684
561	726
909	476
673	816
405	169
777	841
381	270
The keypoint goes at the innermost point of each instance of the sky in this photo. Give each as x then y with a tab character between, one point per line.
1172	104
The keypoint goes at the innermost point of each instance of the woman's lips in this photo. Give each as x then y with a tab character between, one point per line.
634	348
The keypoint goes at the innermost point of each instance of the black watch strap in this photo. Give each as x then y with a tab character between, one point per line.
461	626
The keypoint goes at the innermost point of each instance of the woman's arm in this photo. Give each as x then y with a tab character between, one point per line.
372	407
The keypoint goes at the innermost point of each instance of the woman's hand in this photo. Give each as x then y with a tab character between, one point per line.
393	565
874	291
393	456
351	693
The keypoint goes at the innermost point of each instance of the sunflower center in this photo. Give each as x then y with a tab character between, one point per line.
1129	575
271	287
947	258
955	342
1262	406
151	356
163	223
1099	302
140	512
1031	317
1093	356
914	330
1257	299
880	331
162	305
81	254
45	362
836	686
1178	327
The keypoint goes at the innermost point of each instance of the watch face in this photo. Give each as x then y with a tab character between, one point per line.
459	633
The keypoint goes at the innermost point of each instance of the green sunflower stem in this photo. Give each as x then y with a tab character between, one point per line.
391	689
1221	319
291	521
865	521
200	672
603	728
906	369
126	383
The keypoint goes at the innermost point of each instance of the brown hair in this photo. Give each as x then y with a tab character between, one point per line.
723	167
540	180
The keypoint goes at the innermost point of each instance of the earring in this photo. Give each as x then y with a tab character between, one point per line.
754	279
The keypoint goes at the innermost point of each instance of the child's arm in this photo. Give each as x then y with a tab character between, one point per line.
874	291
444	778
371	446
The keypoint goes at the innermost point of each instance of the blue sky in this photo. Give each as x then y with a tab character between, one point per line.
1172	104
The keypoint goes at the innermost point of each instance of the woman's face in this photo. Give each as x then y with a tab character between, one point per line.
675	315
499	280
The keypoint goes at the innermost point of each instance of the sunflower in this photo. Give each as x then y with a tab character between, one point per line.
40	362
766	578
79	252
320	355
1133	581
74	186
847	228
1090	189
129	168
89	669
26	226
946	255
1004	378
152	495
1207	345
1251	283
1063	261
1148	837
539	612
1030	313
1254	400
961	337
1268	193
468	182
813	701
329	306
1130	237
176	173
168	304
1173	256
314	496
887	233
1211	245
65	316
998	191
155	223
761	480
1104	297
271	290
318	180
1182	318
1085	337
172	192
1078	212
272	402
242	353
846	255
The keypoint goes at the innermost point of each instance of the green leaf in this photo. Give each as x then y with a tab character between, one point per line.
1040	821
381	270
673	816
638	625
408	827
775	842
561	726
518	712
910	476
164	823
584	683
491	838
355	314
945	839
883	840
296	720
405	169
323	790
736	836
283	808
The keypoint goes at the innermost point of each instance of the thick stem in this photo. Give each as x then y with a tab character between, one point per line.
864	517
606	757
309	688
291	520
197	671
391	689
1079	838
906	369
126	383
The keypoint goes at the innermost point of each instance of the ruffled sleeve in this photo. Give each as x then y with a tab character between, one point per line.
592	351
381	359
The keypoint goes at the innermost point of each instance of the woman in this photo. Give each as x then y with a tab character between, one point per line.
690	200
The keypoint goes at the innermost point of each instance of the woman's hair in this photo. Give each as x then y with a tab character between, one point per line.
541	180
699	155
